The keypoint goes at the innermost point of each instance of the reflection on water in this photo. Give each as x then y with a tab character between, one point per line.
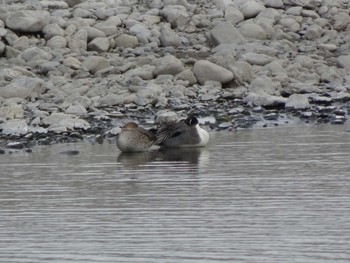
276	195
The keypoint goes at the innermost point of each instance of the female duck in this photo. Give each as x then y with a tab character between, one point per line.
133	138
185	133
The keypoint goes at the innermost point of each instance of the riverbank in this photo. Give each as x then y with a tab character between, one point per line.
76	69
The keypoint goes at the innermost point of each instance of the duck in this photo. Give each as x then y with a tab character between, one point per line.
185	133
133	138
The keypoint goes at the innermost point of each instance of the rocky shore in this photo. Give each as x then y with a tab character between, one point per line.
73	70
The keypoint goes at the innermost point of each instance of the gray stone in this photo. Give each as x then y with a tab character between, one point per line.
35	53
62	122
274	3
344	62
265	100
125	41
12	111
176	15
22	88
250	30
187	75
169	38
57	42
262	84
168	65
14	127
72	62
95	63
205	71
99	44
250	9
297	101
233	15
142	32
165	116
80	12
2	48
78	40
290	24
77	109
226	33
27	20
257	59
93	32
52	30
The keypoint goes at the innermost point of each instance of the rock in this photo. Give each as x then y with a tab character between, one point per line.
187	75
250	30
95	63
274	3
72	62
2	48
125	41
78	40
262	84
99	44
164	117
265	100
205	70
168	65
226	33
12	111
57	42
176	15
250	9
92	32
344	62
233	15
257	59
169	38
297	101
30	21
142	32
22	88
290	24
52	30
14	127
61	122
35	53
76	110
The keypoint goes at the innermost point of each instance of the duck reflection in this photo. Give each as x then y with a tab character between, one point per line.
192	156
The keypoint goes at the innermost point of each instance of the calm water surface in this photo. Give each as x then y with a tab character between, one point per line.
269	195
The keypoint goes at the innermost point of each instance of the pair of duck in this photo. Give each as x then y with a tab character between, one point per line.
185	133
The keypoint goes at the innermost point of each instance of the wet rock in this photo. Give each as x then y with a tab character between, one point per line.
169	65
70	152
15	145
205	71
27	20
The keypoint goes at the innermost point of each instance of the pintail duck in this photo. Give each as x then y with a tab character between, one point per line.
185	133
133	138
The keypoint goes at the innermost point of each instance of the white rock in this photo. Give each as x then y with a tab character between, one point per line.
72	62
99	44
205	71
187	75
14	127
344	62
142	32
297	101
164	117
93	32
290	24
35	53
27	20
257	59
250	9
263	99
176	15
168	65
125	41
52	30
57	42
12	111
233	15
274	3
169	38
22	88
262	85
61	122
250	30
223	4
95	63
226	33
78	40
77	109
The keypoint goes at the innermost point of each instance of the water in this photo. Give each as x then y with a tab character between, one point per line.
270	195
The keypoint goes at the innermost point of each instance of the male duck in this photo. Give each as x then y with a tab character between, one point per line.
185	133
133	138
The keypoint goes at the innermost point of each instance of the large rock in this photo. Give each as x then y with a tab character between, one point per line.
176	15
169	65
12	111
205	70
23	87
28	20
78	40
297	101
99	44
250	30
14	127
250	9
265	100
95	63
35	53
344	62
233	15
61	122
226	33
